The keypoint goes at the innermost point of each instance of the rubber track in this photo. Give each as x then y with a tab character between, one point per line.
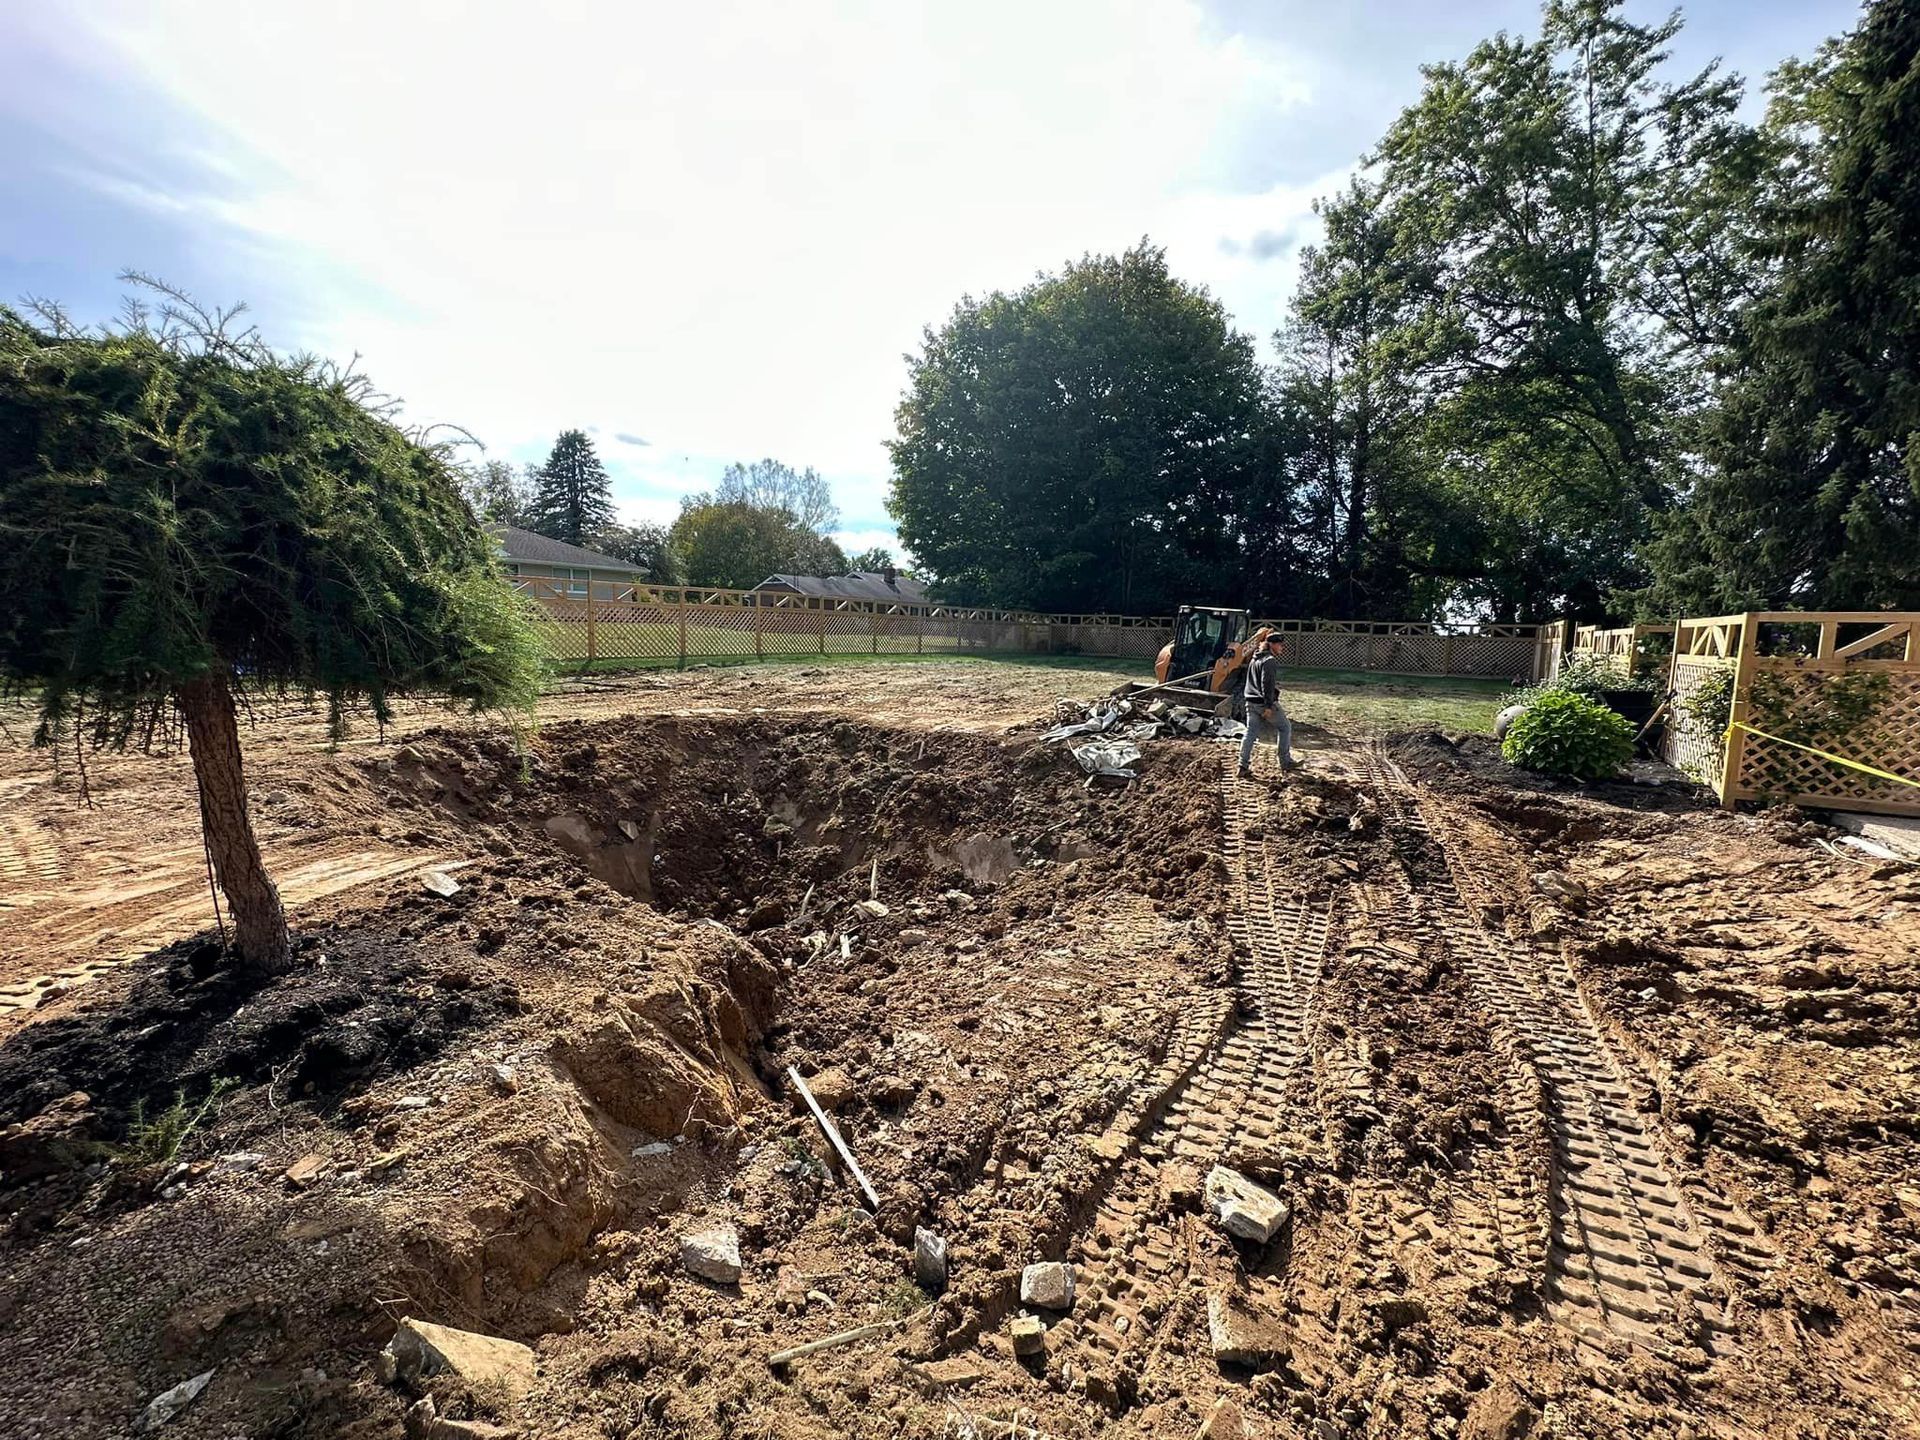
1627	1257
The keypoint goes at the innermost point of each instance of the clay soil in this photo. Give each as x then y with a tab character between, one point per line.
1594	1108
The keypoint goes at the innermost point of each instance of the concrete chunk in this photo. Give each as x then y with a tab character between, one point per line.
713	1254
1244	1209
1029	1334
1048	1285
1240	1337
419	1350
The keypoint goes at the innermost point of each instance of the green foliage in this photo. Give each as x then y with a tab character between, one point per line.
737	545
1561	733
1813	495
1706	709
873	560
178	501
1811	708
497	492
1589	676
648	548
1083	444
572	498
157	1139
771	485
901	1299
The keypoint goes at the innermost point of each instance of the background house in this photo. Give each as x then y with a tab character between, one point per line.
887	586
569	568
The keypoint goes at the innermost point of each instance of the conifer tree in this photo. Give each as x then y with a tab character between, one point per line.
188	517
572	497
1814	498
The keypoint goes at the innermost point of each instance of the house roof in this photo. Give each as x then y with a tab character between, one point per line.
860	585
537	549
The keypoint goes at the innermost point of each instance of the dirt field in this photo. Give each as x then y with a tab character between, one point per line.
1593	1111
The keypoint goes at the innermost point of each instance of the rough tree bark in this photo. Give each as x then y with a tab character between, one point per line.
213	736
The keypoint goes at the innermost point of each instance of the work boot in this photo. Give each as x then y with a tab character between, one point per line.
1245	773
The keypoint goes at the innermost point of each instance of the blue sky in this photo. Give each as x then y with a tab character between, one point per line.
704	232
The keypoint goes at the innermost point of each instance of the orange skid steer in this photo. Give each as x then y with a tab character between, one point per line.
1198	668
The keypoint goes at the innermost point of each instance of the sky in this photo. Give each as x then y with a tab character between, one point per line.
702	232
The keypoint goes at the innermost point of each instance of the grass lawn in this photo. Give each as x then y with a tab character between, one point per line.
1352	702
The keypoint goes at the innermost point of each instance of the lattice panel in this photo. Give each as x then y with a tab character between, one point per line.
1688	747
1889	741
1503	657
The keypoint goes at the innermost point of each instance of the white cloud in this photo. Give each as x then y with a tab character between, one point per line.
721	223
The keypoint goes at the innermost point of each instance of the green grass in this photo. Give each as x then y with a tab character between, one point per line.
1351	702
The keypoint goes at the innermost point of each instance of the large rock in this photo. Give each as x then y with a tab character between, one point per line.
419	1351
55	1139
1048	1285
1241	1337
713	1254
1244	1209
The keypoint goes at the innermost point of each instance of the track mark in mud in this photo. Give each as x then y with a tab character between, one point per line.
28	855
1628	1257
1213	1099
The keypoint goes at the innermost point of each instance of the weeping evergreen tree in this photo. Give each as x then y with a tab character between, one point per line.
187	516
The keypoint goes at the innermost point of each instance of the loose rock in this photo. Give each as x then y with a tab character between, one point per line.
929	1260
1249	1211
169	1403
1048	1284
1029	1334
713	1254
419	1351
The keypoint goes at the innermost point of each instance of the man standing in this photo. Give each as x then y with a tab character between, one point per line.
1263	707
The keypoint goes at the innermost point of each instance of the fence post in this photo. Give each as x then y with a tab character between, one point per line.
591	648
1736	749
756	632
820	609
873	629
920	635
1446	655
683	629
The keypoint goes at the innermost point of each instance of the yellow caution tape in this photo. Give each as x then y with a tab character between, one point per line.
1824	755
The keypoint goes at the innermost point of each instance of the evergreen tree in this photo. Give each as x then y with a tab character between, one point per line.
1814	494
187	516
572	497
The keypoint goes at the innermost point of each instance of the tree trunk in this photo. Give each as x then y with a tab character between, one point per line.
213	736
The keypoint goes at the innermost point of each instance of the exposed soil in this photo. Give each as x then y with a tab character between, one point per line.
1593	1108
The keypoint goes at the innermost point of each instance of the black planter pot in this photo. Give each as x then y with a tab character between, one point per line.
1638	707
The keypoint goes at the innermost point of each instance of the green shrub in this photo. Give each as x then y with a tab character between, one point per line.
1585	675
1566	734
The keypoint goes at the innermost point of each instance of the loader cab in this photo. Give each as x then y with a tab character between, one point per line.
1201	635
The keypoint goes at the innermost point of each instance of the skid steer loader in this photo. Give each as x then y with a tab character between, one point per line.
1210	647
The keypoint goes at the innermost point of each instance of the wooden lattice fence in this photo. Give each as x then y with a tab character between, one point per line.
1844	683
589	622
1626	650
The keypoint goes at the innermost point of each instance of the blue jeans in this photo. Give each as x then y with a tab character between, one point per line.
1282	736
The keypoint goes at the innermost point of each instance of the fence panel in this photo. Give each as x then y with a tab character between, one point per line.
682	624
1844	682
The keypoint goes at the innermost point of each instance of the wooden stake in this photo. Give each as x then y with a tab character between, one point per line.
833	1342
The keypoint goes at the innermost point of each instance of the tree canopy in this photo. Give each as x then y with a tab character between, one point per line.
1080	444
1577	339
186	514
736	545
572	497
